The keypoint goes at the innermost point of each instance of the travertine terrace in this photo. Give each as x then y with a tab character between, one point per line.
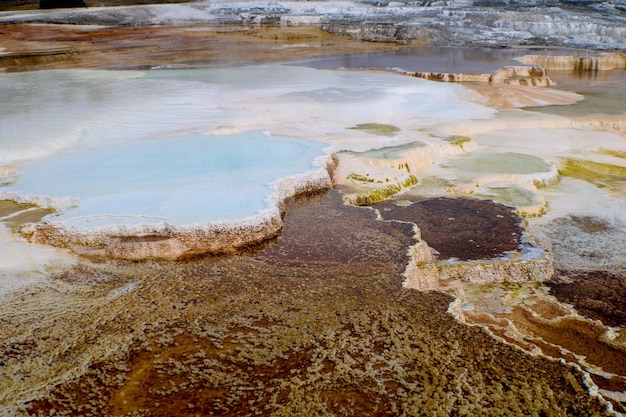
484	275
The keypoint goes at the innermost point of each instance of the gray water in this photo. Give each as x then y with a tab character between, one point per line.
604	91
438	59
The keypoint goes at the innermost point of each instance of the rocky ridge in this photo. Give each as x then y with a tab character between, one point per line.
496	23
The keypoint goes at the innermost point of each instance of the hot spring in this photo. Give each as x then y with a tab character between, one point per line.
187	240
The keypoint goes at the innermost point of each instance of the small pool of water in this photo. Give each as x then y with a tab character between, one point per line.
500	163
603	92
438	59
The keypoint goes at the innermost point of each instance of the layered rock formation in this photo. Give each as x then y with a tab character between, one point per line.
524	76
598	25
604	62
489	23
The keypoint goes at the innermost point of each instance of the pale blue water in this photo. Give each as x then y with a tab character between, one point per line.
184	180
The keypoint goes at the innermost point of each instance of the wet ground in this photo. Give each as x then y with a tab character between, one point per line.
288	329
36	47
600	295
461	228
338	235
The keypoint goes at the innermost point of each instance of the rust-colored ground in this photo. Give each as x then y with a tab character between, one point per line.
254	334
34	47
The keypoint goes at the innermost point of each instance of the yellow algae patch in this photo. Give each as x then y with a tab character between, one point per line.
612	152
599	174
458	140
8	207
14	215
365	184
362	178
380	194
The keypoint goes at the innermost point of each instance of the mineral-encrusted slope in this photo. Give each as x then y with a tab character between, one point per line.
592	24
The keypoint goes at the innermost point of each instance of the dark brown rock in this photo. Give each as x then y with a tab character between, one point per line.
461	228
600	295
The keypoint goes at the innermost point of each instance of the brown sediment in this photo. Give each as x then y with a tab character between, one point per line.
253	334
309	239
614	383
579	336
573	338
463	228
34	215
8	207
591	224
35	47
338	344
529	318
600	295
546	308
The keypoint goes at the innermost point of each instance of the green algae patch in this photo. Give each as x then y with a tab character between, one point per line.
501	163
510	196
431	186
526	202
457	140
377	129
600	174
